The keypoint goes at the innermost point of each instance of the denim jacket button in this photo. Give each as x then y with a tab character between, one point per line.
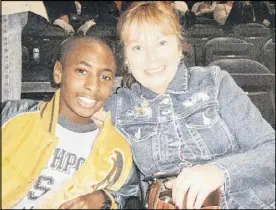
166	112
165	101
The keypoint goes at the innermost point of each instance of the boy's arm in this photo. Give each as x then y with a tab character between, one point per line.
92	200
129	189
96	199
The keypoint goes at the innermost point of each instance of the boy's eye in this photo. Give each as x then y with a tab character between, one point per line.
162	43
104	77
81	71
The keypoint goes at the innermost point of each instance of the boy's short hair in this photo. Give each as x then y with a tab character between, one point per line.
68	44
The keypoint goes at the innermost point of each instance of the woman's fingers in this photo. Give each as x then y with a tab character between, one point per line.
180	192
202	195
192	195
169	184
197	183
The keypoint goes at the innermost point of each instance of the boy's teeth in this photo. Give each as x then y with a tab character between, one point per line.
87	100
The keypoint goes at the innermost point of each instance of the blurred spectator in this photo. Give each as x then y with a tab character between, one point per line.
14	17
103	12
59	12
236	13
264	12
190	4
248	15
125	5
119	5
204	7
78	7
222	11
89	14
188	20
180	6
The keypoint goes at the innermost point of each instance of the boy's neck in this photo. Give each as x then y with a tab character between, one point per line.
77	127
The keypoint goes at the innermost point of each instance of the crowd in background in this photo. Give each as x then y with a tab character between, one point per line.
218	12
89	17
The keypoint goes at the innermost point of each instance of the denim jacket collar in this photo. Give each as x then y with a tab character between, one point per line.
178	85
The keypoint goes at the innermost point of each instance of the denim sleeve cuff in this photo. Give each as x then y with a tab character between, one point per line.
113	202
227	184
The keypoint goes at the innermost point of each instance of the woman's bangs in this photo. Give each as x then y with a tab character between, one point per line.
148	23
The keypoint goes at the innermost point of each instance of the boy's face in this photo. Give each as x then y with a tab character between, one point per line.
86	79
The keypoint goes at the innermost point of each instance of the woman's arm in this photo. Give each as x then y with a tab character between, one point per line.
255	163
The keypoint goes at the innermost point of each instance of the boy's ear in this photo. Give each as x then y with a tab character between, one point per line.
58	72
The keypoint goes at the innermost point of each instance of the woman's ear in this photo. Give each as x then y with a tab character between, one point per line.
58	72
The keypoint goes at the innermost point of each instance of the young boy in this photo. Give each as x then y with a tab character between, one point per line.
55	146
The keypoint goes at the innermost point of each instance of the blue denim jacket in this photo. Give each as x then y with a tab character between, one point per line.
203	117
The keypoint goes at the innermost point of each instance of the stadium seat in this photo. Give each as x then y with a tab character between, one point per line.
268	55
254	33
227	47
197	35
40	47
255	79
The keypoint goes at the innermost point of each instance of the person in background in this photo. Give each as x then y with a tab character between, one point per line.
248	13
241	13
222	11
125	5
204	7
195	122
60	156
14	18
119	5
180	6
264	13
59	14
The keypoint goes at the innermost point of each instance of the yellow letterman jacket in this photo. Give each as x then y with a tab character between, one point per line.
28	141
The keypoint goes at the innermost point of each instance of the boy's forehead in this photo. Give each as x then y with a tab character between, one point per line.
93	52
92	47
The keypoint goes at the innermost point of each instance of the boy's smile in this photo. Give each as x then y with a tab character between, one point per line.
86	102
86	79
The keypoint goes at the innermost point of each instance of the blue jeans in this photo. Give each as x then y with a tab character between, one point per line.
12	26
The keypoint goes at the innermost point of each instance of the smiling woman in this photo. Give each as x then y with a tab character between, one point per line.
195	122
153	59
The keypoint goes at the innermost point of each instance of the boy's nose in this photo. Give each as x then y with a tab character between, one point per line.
92	84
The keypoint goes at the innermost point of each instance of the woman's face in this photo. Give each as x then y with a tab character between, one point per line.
153	59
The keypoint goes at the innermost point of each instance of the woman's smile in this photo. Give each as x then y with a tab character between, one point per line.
156	70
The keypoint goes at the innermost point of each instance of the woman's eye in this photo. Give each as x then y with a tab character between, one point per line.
162	43
81	71
106	77
136	48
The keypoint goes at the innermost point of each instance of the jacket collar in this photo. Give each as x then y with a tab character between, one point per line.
178	85
49	112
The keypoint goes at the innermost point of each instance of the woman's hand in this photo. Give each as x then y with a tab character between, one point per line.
197	182
92	200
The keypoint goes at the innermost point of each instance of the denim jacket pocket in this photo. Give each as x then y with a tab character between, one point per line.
202	119
138	131
142	136
208	132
